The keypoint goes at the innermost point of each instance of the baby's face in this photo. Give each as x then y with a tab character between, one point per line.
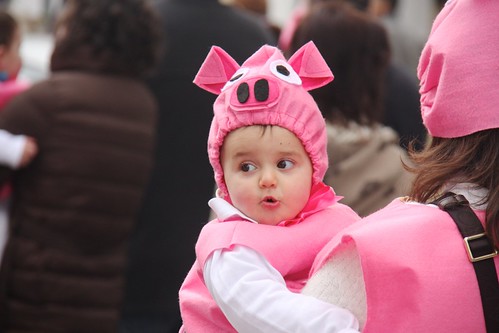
267	172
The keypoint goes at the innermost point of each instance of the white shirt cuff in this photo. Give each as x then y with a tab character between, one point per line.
12	147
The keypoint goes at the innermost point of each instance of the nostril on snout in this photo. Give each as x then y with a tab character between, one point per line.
261	90
243	92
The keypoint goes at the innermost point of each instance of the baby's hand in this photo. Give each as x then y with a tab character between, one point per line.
30	151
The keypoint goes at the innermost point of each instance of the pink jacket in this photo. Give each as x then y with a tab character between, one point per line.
416	271
9	89
290	249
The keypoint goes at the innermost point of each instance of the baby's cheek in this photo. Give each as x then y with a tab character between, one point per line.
240	197
299	197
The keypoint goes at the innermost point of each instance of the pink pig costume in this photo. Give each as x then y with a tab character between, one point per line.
265	90
415	272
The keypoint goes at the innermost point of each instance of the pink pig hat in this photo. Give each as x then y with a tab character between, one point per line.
459	70
267	90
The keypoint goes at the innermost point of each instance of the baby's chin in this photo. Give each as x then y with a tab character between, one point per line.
269	222
273	220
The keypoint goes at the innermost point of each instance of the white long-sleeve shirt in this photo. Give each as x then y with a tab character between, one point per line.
253	296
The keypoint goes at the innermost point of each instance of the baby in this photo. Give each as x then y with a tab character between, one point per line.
267	146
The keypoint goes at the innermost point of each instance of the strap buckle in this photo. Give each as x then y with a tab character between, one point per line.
479	247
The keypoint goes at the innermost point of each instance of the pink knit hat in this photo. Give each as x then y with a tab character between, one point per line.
459	70
267	90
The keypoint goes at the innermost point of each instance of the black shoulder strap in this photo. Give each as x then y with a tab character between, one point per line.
480	253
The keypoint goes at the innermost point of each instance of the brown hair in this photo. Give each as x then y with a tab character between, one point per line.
356	47
8	26
472	159
121	37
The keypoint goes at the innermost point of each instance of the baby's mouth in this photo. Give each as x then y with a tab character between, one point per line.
269	200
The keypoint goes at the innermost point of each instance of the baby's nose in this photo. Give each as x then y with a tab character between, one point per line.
268	179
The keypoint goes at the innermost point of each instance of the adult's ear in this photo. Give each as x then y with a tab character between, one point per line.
216	70
311	67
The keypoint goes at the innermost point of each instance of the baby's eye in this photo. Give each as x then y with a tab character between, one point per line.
285	164
247	167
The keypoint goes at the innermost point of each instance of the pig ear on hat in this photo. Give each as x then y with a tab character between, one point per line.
216	70
311	67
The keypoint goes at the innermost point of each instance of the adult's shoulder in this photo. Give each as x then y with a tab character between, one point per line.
399	212
397	219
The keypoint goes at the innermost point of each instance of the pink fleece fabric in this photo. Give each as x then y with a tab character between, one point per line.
9	89
459	70
287	103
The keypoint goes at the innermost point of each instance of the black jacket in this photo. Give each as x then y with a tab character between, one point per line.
402	107
175	206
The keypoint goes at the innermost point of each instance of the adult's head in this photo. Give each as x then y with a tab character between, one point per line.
119	36
459	69
356	48
459	78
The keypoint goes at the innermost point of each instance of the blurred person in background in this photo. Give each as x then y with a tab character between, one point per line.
16	150
364	155
174	207
402	111
406	44
401	100
10	58
74	206
259	8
